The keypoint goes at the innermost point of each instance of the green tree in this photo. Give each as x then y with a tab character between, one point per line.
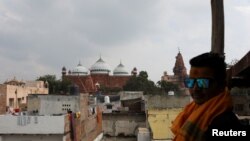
141	83
55	86
64	86
167	86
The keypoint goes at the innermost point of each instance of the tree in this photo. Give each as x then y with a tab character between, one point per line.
141	83
55	86
167	86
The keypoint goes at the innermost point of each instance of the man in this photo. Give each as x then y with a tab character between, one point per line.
210	112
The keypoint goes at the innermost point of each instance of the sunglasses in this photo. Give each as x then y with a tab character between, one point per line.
202	83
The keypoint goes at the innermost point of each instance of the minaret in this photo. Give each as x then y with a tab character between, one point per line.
134	71
64	71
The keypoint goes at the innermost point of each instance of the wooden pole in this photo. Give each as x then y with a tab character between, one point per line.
217	27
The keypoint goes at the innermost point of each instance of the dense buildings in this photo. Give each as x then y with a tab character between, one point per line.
13	93
54	118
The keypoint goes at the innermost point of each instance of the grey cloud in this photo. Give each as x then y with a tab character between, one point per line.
48	34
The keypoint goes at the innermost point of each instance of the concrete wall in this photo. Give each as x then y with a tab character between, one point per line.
32	124
3	97
122	124
2	103
53	104
128	95
90	125
166	101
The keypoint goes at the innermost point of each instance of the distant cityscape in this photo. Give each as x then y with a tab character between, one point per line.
29	112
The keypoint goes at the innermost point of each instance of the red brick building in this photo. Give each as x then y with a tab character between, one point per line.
97	76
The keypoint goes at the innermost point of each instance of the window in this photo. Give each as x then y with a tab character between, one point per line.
19	101
11	102
66	107
109	106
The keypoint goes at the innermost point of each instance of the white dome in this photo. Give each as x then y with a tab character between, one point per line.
79	70
120	70
100	67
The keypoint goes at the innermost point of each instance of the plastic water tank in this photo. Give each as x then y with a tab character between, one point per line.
171	93
106	99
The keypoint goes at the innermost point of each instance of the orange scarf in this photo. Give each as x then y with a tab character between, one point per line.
192	123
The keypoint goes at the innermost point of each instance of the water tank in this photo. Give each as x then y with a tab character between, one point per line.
74	89
143	134
106	99
170	92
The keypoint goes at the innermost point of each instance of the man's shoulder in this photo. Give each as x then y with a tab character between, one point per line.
227	125
227	119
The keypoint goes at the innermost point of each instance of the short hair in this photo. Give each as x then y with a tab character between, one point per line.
214	61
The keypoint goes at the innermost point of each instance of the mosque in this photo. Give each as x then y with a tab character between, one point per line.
99	75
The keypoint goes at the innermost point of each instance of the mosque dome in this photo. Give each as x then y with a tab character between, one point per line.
79	70
120	70
100	67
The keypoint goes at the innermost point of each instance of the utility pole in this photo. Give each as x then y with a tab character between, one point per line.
217	27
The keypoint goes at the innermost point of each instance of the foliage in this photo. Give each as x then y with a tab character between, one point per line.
168	86
141	83
55	86
107	90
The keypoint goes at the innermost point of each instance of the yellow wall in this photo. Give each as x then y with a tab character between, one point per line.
160	122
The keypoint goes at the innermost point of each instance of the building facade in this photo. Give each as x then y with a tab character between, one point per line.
59	118
99	75
180	73
15	92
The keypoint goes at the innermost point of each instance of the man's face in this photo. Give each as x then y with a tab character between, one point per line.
201	95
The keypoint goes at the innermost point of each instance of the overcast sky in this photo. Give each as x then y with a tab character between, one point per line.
39	37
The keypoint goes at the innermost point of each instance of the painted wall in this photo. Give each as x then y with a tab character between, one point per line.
160	121
161	110
21	92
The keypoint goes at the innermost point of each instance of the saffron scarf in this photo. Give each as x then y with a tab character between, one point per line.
192	123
